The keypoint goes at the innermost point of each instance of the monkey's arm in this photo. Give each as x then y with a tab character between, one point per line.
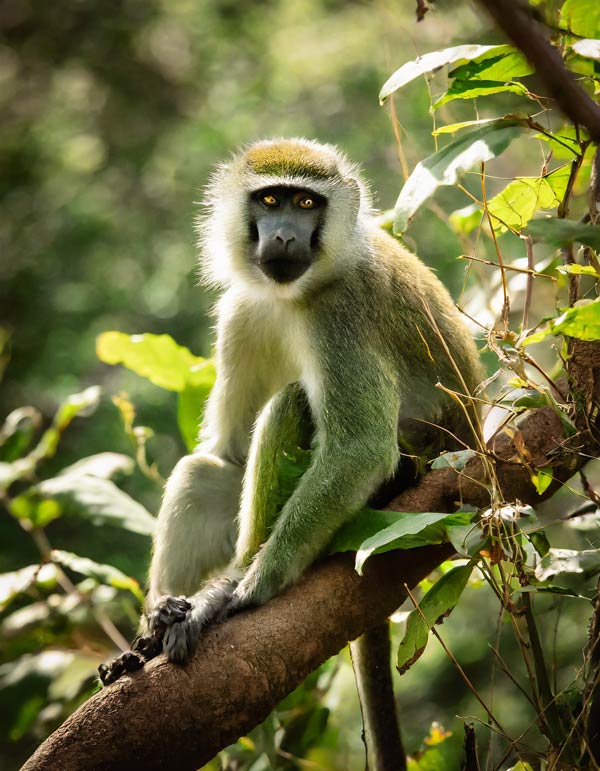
357	449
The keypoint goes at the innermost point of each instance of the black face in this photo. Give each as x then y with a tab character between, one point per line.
284	228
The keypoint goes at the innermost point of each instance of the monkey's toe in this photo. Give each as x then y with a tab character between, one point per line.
126	662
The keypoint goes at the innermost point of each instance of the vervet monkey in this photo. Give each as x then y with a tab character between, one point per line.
330	334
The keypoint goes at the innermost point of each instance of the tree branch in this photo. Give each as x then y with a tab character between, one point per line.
165	716
516	21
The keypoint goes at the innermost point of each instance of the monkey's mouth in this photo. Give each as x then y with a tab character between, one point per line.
283	270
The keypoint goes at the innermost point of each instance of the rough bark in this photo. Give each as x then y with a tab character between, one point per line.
165	716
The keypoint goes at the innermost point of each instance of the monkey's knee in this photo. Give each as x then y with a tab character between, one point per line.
196	528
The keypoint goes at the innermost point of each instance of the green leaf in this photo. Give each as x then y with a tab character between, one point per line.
18	581
190	403
560	561
506	65
581	17
456	460
104	574
468	218
400	534
18	431
431	62
435	605
588	48
452	128
99	500
578	270
103	465
559	232
581	321
444	166
565	142
156	357
471	89
522	198
542	480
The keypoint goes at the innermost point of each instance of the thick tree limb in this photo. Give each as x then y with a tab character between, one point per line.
165	716
515	20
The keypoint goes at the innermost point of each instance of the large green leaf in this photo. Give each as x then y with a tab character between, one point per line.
99	500
191	400
501	65
581	321
588	48
560	561
432	62
105	574
18	581
523	197
471	89
559	232
444	166
103	465
400	534
156	357
435	605
581	17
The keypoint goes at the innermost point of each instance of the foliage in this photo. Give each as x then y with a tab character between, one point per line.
109	148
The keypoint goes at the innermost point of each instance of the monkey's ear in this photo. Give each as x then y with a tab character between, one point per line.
355	191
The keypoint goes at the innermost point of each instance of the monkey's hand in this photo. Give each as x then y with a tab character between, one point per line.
179	621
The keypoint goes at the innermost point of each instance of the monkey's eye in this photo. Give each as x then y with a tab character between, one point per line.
269	200
306	202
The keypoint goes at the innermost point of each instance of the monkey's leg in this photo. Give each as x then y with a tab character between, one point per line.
195	535
370	655
282	424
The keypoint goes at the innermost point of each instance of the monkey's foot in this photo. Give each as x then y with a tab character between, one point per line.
142	650
178	621
126	662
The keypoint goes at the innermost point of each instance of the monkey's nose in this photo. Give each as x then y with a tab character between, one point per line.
285	239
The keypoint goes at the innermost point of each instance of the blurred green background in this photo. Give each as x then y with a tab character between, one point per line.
111	117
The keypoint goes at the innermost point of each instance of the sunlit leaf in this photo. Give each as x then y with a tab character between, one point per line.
452	128
581	17
18	581
105	574
431	62
521	199
456	460
506	63
471	89
99	500
435	605
542	480
156	357
103	465
406	526
581	321
561	561
578	270
443	167
588	47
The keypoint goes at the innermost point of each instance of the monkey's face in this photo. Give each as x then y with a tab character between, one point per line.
285	225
